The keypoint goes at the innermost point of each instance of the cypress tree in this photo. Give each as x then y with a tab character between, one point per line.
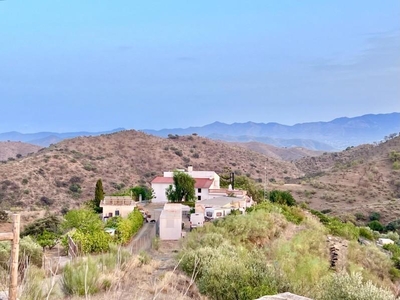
98	193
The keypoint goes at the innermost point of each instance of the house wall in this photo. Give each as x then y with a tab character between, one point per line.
159	191
203	193
124	210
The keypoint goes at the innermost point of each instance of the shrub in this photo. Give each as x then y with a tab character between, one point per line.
376	226
282	197
352	287
81	277
32	287
367	233
375	216
93	241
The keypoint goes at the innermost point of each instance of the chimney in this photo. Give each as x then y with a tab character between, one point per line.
190	168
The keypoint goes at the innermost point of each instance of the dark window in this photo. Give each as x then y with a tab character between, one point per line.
117	212
219	214
198	197
199	191
110	215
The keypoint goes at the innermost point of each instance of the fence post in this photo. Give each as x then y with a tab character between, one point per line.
12	294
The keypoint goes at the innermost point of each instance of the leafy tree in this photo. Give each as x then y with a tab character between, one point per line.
282	197
183	189
47	239
85	220
146	192
50	223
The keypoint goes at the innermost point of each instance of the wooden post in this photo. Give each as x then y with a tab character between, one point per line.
12	294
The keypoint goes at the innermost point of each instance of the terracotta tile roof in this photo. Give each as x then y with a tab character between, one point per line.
201	183
160	179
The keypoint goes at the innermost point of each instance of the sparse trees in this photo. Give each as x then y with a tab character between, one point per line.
183	189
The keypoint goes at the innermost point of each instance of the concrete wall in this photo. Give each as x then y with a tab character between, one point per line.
170	225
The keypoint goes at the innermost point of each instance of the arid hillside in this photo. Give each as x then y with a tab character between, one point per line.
359	180
286	153
65	174
10	150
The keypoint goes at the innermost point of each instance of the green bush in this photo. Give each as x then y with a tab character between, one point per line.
352	287
32	287
367	233
92	242
282	197
376	226
81	277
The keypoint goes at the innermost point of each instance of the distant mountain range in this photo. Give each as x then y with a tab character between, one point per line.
334	135
322	136
44	139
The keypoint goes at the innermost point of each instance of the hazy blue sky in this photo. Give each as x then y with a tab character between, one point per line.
97	65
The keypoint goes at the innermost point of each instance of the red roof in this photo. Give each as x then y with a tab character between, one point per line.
168	180
201	183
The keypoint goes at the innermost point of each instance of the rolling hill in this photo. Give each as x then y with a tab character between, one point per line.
359	180
10	150
65	173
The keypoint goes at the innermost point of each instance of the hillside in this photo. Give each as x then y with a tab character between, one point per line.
12	149
362	180
288	154
65	174
357	180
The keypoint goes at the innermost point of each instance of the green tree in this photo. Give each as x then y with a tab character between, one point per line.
282	197
98	193
146	192
84	220
50	223
47	239
183	189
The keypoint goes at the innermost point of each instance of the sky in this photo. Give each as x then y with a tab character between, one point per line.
98	65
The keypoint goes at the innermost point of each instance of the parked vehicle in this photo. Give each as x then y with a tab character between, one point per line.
196	220
212	213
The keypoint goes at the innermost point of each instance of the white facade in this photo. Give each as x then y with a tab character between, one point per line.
171	222
117	206
159	192
205	181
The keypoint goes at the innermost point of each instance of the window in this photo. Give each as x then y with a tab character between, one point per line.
110	215
199	198
199	191
117	212
219	214
209	214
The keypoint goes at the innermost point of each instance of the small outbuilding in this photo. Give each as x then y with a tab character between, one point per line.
171	222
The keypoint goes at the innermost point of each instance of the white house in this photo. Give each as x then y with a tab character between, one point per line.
117	206
171	222
204	182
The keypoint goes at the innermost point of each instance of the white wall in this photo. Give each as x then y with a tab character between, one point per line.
159	191
170	226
